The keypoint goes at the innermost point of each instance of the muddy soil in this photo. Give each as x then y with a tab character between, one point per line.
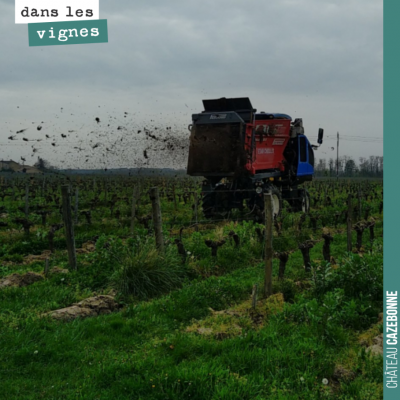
17	280
90	307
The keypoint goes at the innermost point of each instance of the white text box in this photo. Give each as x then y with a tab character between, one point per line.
31	11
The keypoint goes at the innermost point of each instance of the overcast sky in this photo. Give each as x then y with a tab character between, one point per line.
317	60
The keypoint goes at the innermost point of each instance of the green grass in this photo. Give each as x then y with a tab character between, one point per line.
144	351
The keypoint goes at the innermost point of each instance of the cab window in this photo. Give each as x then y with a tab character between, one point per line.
310	155
303	150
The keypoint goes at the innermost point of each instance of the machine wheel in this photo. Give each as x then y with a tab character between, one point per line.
208	204
217	203
305	202
302	202
276	200
256	204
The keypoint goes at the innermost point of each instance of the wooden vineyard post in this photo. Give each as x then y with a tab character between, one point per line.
195	208
359	202
44	186
46	267
69	226
174	196
133	210
76	204
349	223
155	202
268	245
254	296
27	200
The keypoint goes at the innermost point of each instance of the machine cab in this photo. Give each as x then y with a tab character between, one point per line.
305	153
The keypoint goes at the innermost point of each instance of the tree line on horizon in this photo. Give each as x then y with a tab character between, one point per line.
368	167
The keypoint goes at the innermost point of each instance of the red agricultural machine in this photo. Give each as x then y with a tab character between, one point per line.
243	154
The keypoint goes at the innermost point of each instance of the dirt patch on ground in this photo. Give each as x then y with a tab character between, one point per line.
340	375
41	257
343	374
17	280
87	247
90	307
377	347
231	322
58	270
372	339
9	232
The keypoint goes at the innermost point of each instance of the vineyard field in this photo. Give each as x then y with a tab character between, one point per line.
103	296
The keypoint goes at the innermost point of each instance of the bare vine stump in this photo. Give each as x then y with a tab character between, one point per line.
359	227
371	226
181	249
326	248
305	251
283	259
235	237
88	216
214	246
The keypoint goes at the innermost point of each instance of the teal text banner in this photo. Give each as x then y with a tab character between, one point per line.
391	147
68	32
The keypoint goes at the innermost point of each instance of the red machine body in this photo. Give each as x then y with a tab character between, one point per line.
270	139
242	154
